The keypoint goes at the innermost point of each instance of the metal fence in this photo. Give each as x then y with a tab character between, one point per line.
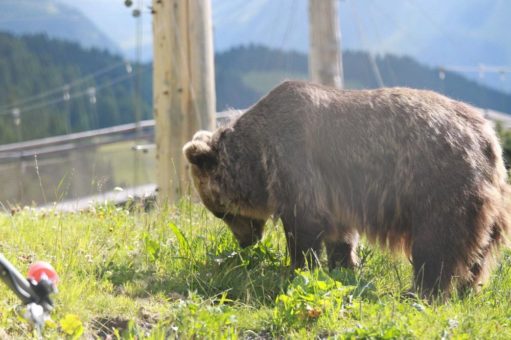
76	165
81	165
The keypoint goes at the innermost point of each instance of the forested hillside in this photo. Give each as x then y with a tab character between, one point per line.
100	91
249	71
34	71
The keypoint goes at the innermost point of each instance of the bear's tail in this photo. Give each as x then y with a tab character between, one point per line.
502	226
499	235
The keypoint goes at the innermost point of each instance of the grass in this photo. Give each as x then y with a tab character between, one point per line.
177	272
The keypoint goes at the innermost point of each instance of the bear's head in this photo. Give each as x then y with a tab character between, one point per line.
212	181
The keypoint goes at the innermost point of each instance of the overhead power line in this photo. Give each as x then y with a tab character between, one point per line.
370	55
436	24
83	93
61	90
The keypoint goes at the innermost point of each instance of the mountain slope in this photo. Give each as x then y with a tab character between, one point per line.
54	19
439	33
435	33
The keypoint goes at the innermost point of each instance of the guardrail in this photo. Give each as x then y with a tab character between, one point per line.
92	138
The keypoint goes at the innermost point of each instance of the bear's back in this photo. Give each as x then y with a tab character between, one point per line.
362	145
371	127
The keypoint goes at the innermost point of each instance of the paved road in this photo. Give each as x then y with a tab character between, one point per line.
116	197
505	119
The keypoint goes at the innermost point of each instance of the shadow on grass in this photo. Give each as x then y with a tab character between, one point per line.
255	275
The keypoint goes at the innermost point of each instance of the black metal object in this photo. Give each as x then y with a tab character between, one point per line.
28	291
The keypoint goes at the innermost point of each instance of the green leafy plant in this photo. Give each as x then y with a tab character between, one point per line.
309	296
72	326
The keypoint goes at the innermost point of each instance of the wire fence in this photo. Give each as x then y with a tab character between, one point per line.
75	166
78	165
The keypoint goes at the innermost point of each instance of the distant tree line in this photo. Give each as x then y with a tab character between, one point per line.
232	65
34	71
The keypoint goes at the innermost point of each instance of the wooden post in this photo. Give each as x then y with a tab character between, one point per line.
202	67
325	57
183	86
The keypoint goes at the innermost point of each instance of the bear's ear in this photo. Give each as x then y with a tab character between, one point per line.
203	135
201	154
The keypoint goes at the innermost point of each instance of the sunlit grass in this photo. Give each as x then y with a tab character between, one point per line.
177	272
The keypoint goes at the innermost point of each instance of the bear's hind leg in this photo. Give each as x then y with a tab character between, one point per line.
443	247
434	268
304	235
480	270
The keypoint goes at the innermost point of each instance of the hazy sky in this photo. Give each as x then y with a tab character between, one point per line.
115	20
436	32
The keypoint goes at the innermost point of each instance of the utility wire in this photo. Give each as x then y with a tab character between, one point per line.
439	28
61	89
392	74
74	95
361	35
137	98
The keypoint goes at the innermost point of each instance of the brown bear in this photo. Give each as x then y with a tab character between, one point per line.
411	170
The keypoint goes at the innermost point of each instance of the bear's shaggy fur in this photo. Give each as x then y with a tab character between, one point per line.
410	169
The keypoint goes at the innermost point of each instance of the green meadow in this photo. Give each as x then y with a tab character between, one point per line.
177	272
